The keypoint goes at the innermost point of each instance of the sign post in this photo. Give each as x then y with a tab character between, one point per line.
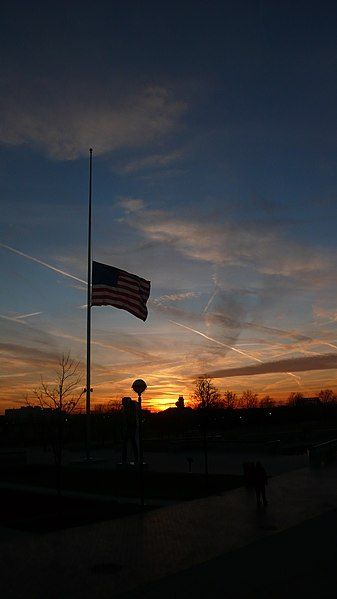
139	387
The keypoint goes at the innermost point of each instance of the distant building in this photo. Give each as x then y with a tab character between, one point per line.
313	401
180	403
26	412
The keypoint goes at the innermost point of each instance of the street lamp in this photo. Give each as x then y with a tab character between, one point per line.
139	387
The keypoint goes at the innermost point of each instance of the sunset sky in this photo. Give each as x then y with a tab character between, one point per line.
213	125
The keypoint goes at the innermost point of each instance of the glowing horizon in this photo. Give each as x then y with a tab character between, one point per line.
213	177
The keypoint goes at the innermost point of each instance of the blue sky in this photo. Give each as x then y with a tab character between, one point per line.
214	133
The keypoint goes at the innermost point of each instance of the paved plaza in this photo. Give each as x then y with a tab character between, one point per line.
220	543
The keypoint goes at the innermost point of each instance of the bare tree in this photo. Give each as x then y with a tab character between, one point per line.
327	396
205	394
62	396
205	397
66	391
249	399
267	402
230	400
296	399
114	405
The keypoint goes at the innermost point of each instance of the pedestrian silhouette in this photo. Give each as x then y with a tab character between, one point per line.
260	482
129	428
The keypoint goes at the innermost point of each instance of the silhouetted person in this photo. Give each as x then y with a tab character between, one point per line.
260	482
129	428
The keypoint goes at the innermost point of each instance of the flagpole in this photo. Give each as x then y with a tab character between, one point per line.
88	384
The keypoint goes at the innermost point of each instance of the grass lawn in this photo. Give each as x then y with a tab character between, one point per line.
123	483
39	512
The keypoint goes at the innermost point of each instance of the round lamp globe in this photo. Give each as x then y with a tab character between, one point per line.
139	386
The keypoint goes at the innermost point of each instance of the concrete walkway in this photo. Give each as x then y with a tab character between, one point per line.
107	558
299	562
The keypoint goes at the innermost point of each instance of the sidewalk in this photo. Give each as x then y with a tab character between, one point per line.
299	562
107	558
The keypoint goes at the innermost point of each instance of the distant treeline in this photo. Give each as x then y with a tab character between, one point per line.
37	426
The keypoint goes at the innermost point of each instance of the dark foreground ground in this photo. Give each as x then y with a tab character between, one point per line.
31	501
297	563
122	483
216	546
42	513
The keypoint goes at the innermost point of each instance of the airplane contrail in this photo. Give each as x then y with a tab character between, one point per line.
239	351
23	316
14	375
50	266
210	300
229	347
296	377
13	319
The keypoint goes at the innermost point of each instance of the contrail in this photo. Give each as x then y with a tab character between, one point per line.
328	344
14	375
210	300
218	342
13	319
58	270
296	377
20	319
27	315
229	347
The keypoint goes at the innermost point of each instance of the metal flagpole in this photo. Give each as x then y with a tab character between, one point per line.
88	388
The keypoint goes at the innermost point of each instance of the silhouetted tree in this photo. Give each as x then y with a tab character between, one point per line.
296	399
114	405
267	402
65	392
230	400
62	396
249	399
327	396
205	394
205	397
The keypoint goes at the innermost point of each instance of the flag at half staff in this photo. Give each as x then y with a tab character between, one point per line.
114	287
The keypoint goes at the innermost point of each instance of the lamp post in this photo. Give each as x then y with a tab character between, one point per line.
139	387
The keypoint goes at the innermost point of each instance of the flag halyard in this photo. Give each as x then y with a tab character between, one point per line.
120	289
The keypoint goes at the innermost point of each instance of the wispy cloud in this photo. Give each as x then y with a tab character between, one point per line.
175	297
151	162
218	319
28	354
318	362
131	204
233	244
72	121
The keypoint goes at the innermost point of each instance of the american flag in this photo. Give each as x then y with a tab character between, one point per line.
114	287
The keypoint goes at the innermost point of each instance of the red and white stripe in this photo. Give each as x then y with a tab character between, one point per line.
130	294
